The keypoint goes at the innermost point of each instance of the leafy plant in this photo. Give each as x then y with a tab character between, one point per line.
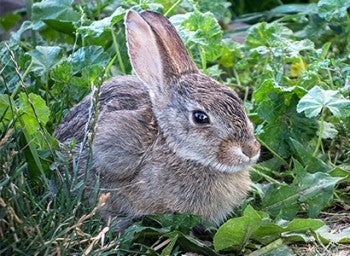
292	71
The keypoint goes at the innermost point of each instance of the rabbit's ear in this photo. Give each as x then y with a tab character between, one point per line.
156	51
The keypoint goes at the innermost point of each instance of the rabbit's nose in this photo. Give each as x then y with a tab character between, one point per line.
251	148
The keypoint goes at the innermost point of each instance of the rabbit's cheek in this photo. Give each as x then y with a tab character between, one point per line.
230	154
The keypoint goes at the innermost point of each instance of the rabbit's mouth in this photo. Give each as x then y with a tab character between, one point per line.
231	162
229	158
237	163
233	158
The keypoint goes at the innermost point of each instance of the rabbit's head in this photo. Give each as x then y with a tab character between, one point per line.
200	119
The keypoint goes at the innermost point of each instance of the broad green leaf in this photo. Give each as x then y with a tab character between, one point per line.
6	114
92	74
280	200
45	58
333	10
96	28
66	27
270	231
169	248
5	106
171	226
26	25
303	225
200	31
295	8
275	42
220	9
311	75
295	47
315	191
89	75
62	72
182	222
88	56
324	233
58	15
269	86
272	47
191	244
275	251
329	130
133	232
267	232
55	10
8	20
230	53
270	228
317	99
304	154
235	233
266	34
309	191
298	237
340	172
276	107
29	118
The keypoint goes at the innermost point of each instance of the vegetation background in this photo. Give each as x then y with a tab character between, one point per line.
289	61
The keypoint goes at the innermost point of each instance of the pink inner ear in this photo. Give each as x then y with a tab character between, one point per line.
144	52
177	58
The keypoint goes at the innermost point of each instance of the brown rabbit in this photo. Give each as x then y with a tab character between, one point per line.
170	139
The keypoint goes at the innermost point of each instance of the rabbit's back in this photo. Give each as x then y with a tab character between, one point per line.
119	94
124	93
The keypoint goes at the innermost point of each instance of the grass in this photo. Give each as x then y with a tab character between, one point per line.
52	219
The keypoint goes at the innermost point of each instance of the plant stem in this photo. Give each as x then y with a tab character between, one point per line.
172	7
109	65
237	77
319	140
246	93
203	59
272	151
267	177
15	91
264	250
29	138
29	4
194	5
330	78
301	61
116	47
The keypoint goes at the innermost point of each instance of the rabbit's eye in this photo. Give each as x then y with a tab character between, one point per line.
200	117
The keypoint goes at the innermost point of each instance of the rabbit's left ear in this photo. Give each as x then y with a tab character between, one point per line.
156	51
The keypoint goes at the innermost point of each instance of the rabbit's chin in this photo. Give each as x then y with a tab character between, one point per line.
234	168
233	160
238	162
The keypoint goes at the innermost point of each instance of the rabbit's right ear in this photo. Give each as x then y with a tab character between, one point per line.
156	51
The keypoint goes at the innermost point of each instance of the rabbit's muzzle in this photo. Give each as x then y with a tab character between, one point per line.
234	157
251	149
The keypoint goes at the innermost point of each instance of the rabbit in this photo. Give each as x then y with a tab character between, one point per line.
169	139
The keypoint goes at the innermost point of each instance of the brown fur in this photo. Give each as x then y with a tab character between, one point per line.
148	151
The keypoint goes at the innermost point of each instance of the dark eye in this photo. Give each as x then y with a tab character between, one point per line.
200	117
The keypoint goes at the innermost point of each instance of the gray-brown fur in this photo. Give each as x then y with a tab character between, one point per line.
148	151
